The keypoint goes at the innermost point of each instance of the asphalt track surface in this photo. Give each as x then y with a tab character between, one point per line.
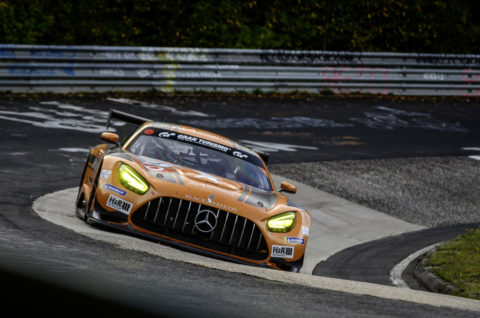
38	158
356	263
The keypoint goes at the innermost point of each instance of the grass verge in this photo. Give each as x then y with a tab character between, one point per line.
458	262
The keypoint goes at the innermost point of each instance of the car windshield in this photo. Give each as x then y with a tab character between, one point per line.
202	155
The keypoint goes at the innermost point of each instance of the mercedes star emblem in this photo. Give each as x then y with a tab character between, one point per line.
205	221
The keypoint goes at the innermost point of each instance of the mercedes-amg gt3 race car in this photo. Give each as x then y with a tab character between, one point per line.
194	190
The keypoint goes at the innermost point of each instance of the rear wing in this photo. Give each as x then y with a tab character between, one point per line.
126	117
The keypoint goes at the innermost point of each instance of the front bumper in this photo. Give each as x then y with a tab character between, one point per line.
120	222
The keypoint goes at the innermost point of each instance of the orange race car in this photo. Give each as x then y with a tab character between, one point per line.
194	190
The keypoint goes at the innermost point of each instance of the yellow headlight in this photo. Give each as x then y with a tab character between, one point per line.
132	180
283	222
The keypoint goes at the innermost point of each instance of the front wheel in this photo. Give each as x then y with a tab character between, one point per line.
293	267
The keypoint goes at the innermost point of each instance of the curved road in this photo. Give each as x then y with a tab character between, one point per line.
43	142
373	261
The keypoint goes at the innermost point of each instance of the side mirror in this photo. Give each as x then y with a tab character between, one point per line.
288	187
110	137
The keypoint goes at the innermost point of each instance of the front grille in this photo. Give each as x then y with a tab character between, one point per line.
175	218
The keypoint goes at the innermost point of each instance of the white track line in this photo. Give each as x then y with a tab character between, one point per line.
396	272
475	157
471	148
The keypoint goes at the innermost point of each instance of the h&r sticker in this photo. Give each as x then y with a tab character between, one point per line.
282	251
119	204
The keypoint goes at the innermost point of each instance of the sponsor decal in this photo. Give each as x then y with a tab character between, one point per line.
203	142
105	174
115	189
305	230
174	134
282	251
119	204
294	240
164	168
239	155
210	202
149	131
211	187
165	134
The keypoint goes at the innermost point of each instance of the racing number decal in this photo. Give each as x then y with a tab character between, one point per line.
282	251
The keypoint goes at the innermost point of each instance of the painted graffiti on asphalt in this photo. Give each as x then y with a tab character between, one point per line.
270	147
170	109
386	118
269	123
59	115
383	118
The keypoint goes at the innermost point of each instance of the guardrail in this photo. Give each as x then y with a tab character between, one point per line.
37	68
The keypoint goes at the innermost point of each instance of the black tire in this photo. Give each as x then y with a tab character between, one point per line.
293	267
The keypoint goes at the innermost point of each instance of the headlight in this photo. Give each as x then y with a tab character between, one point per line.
132	180
283	222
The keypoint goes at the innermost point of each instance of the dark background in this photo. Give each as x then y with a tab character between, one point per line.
423	26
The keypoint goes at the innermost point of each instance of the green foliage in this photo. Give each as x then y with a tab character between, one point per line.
458	262
440	26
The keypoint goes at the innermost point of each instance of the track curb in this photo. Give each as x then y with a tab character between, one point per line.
424	275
